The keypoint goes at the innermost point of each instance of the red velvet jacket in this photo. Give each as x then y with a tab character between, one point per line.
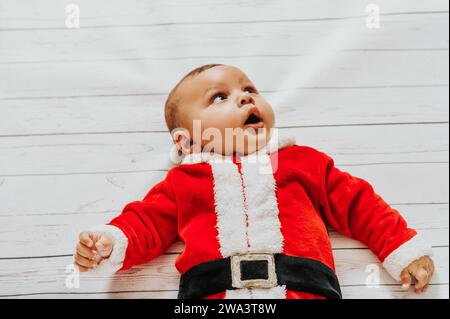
275	201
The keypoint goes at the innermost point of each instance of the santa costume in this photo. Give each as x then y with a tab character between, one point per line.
256	226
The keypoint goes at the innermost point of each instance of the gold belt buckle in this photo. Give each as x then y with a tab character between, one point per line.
236	274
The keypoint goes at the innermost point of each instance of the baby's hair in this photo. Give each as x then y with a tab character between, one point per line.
172	103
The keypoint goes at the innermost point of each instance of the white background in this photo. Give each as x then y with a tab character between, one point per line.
82	130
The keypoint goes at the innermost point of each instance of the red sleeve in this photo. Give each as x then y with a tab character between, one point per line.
150	225
351	206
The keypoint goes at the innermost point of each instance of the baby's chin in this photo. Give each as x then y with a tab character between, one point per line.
244	142
253	141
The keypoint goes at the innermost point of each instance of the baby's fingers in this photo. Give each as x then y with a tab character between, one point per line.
86	238
85	251
81	268
85	262
406	279
104	246
422	279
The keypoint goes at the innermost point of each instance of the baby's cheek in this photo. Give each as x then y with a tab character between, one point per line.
269	116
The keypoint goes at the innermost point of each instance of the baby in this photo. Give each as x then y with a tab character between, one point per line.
251	208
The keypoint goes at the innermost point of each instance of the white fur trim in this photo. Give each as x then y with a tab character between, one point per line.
264	226
203	158
276	143
278	292
115	260
174	156
272	293
238	294
230	209
400	258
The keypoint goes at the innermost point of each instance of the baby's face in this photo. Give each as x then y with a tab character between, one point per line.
225	102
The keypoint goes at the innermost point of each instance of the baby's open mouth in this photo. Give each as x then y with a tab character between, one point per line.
254	120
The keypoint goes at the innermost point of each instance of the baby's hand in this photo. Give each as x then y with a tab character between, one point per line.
421	270
91	249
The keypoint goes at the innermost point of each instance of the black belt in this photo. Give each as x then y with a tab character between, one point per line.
259	271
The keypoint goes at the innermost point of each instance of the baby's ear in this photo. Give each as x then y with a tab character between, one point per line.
182	140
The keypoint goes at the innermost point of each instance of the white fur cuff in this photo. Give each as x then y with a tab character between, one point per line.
115	260
400	258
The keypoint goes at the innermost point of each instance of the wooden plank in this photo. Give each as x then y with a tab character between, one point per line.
390	181
55	234
330	69
351	267
434	291
438	291
178	41
435	237
304	107
48	275
73	193
171	294
84	154
106	192
47	14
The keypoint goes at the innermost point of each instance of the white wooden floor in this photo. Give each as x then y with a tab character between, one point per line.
82	130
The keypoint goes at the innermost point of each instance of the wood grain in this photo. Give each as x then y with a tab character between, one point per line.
294	108
288	39
45	14
434	291
344	69
134	152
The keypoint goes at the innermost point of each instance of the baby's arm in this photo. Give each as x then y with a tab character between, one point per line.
143	231
353	208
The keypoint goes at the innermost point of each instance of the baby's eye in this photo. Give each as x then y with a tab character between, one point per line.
218	98
250	90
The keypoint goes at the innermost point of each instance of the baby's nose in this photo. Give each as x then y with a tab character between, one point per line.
246	99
